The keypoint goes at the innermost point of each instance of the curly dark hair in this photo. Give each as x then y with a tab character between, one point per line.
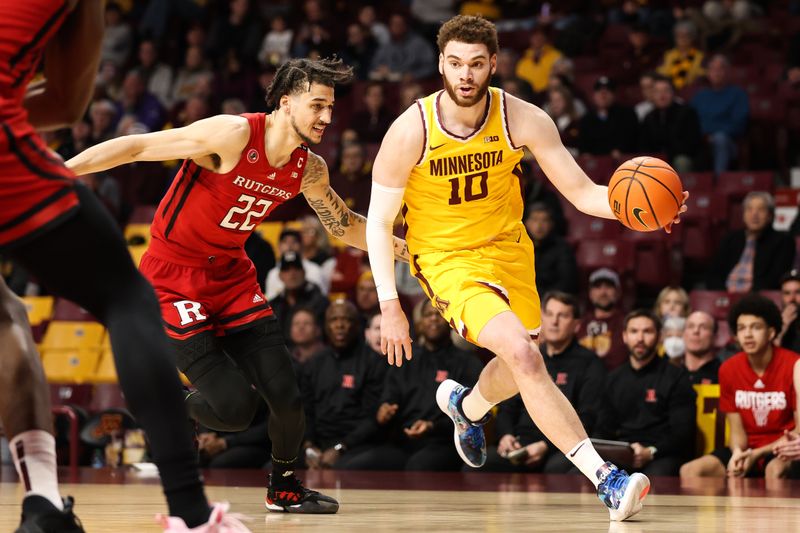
468	29
756	305
297	75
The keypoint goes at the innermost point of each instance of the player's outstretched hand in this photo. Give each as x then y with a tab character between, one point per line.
394	333
682	210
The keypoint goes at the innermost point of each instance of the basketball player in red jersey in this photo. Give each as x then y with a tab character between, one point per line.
758	394
57	230
237	169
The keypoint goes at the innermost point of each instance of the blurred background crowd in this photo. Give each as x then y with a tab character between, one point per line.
712	86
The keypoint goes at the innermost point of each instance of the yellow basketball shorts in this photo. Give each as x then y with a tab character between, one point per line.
469	287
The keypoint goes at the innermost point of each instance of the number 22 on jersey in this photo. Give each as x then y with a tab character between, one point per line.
251	209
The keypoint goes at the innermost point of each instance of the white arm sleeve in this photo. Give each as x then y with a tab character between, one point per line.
383	207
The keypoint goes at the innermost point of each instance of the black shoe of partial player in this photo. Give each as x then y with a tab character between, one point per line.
41	516
288	495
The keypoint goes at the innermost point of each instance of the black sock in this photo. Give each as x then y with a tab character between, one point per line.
282	470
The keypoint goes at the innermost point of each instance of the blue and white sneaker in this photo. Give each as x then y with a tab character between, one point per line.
468	436
623	494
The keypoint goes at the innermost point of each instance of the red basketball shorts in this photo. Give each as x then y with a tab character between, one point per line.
222	298
36	189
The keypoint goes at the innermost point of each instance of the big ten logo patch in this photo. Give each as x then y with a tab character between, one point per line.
491	138
189	311
348	381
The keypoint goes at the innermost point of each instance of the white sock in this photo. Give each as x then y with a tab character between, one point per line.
586	458
474	405
34	454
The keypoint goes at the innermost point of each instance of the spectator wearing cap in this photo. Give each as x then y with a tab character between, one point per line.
556	268
723	110
789	336
537	61
296	292
700	358
753	258
291	240
601	328
671	127
609	128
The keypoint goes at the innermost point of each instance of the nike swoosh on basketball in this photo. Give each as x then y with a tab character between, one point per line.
637	213
432	148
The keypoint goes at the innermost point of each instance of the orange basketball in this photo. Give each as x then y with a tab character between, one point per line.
645	193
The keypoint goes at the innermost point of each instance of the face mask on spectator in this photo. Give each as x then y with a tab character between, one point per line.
674	347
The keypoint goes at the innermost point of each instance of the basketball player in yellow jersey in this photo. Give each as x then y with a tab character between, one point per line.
452	161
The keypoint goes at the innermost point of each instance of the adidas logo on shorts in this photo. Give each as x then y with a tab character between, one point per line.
257	299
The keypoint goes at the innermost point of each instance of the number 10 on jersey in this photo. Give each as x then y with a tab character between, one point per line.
469	188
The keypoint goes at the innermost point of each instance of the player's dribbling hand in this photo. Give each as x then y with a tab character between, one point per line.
682	210
394	333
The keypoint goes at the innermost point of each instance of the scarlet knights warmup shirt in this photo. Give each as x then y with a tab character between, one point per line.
206	216
766	403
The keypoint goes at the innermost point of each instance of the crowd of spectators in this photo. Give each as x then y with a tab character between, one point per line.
618	78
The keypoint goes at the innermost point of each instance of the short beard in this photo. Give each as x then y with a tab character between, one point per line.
297	131
604	307
480	92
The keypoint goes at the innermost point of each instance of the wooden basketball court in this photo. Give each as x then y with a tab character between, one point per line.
122	501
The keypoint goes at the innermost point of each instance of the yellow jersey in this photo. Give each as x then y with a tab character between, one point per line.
464	191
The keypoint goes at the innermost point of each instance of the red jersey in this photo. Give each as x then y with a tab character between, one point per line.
25	28
206	216
766	403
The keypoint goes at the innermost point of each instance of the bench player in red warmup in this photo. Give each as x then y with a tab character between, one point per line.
57	230
237	169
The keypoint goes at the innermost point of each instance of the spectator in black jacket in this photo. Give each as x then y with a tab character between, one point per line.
576	371
672	127
753	258
421	436
649	403
609	128
556	268
341	389
297	292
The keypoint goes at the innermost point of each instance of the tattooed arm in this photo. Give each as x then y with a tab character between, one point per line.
334	214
